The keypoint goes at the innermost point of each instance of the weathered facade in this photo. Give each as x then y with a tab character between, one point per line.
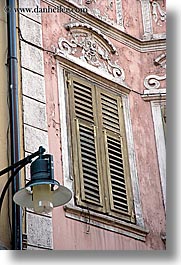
93	92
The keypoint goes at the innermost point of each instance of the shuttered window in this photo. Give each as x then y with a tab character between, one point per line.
99	149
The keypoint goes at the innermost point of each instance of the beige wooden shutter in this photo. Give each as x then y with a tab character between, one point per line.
85	148
117	168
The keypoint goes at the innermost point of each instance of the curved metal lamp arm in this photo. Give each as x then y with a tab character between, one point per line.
40	151
10	179
19	165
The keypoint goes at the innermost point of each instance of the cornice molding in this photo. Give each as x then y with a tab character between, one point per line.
154	94
113	31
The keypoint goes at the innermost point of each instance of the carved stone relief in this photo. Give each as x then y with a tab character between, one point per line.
153	81
146	15
119	13
108	11
77	26
159	15
103	12
152	13
92	47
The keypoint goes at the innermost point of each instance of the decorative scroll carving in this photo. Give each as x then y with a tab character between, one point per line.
91	48
158	13
153	81
92	53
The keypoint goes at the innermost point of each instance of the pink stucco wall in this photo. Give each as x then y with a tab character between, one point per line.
70	234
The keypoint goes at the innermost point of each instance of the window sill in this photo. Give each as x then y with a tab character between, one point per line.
106	222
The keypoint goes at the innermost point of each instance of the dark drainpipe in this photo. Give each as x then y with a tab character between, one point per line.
14	120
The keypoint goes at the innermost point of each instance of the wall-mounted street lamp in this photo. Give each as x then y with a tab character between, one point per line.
42	193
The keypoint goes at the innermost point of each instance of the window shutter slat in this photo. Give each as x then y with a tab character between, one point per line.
83	102
110	117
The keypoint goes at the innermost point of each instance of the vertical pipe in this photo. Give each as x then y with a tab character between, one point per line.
14	120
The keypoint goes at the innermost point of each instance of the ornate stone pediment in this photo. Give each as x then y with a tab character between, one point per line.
77	26
91	47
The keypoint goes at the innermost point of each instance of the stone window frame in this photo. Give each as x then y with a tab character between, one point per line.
136	231
156	107
157	99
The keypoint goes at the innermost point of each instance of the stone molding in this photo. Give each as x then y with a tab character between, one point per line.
157	96
160	143
157	43
106	222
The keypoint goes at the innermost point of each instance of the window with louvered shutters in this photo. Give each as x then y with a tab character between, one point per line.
99	152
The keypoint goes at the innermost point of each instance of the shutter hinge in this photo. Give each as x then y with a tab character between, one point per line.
132	215
95	133
68	80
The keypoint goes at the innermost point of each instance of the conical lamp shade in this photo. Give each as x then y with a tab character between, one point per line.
60	196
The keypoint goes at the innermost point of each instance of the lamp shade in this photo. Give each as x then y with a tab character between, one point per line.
60	196
42	192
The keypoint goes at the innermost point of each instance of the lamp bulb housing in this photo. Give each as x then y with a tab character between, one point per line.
42	198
